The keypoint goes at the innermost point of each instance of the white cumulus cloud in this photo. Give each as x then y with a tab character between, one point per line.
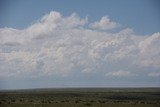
119	73
154	74
63	46
104	24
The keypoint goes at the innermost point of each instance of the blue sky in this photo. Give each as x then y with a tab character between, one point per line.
140	15
85	43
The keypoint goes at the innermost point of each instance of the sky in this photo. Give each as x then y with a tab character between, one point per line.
85	43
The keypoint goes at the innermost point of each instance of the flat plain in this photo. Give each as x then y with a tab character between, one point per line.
81	97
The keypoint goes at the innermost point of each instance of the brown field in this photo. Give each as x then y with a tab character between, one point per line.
81	97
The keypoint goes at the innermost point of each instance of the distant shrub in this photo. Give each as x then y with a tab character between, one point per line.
76	101
49	101
92	101
42	101
88	104
102	102
67	100
62	101
142	102
13	100
4	100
